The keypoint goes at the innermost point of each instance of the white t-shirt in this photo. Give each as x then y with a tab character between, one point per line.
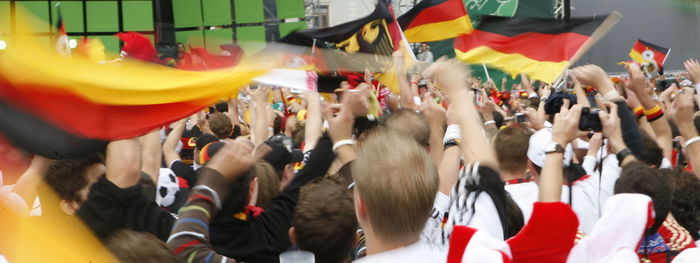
524	195
417	252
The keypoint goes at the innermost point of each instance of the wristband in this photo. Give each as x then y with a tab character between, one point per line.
639	112
697	88
450	143
654	113
490	122
342	143
691	141
453	132
621	155
544	99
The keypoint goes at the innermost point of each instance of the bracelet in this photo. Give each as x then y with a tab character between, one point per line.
489	122
453	132
342	143
639	112
624	153
450	143
691	141
654	113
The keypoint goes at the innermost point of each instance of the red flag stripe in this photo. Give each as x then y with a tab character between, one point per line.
449	10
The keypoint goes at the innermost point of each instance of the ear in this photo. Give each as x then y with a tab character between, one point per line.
293	236
531	168
253	192
360	208
69	207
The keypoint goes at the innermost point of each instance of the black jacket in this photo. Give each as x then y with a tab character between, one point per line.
263	238
109	208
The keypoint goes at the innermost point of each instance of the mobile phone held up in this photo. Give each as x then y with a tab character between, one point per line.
590	121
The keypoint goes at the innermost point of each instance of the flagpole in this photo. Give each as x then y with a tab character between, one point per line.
665	58
488	77
603	29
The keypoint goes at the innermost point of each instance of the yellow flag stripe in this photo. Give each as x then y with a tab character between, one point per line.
634	54
439	30
513	64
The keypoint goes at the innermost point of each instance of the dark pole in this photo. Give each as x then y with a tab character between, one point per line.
567	9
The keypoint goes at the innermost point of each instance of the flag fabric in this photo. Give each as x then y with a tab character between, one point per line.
77	104
62	44
138	46
643	51
538	47
435	20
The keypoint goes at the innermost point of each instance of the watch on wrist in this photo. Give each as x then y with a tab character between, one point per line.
624	153
553	147
544	99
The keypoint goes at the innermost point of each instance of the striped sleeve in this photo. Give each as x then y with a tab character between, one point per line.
189	239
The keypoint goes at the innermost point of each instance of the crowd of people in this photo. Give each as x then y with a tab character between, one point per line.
449	169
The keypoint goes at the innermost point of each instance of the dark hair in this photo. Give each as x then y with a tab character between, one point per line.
685	206
277	125
498	118
324	220
67	177
238	198
637	177
298	134
651	153
130	246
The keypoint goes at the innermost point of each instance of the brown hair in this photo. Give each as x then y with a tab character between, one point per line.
511	145
268	183
324	220
409	123
130	246
220	125
397	182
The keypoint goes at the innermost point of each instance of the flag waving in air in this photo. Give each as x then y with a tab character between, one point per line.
435	20
643	51
62	45
539	47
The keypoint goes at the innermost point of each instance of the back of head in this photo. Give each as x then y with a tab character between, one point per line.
268	183
637	177
651	153
397	182
67	178
686	200
410	124
220	125
511	144
324	220
130	246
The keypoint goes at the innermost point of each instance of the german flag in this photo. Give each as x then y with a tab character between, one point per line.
643	51
539	47
435	20
62	107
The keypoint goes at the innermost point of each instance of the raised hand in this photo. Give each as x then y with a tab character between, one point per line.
682	108
565	127
693	68
592	75
637	82
234	159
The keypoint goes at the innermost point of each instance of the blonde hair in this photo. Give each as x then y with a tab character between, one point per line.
268	183
397	182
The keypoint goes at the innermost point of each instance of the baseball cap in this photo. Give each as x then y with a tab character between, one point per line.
205	139
282	152
208	151
538	142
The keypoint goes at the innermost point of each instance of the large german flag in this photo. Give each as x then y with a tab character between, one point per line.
63	107
435	20
539	47
643	51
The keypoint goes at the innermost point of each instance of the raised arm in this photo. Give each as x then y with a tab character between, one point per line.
169	151
233	110
314	120
124	162
259	127
151	154
435	115
682	115
564	130
406	91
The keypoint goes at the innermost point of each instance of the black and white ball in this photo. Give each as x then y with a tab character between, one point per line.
168	187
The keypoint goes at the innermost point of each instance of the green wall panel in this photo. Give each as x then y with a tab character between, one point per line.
286	28
102	16
251	38
249	11
137	15
40	10
111	44
72	14
192	37
216	12
187	13
214	38
290	8
4	17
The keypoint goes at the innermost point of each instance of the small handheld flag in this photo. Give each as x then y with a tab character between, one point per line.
62	45
643	51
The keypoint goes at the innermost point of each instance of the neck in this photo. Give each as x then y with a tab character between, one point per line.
509	175
376	245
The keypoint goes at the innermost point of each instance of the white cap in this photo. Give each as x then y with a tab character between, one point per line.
538	143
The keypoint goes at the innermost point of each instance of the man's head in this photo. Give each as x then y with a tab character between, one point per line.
268	183
71	180
424	47
395	186
637	177
202	141
410	124
511	144
283	156
220	125
324	220
686	200
537	148
129	246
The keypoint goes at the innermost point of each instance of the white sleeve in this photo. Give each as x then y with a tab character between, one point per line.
589	163
433	228
486	217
